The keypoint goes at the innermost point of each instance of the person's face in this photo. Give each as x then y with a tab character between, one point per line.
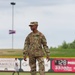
33	27
15	58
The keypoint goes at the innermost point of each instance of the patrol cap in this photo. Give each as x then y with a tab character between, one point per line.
33	23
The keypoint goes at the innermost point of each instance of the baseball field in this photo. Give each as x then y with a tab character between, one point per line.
22	73
8	53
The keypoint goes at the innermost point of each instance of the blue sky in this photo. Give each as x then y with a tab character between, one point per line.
56	20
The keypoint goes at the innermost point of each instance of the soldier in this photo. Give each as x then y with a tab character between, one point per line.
34	44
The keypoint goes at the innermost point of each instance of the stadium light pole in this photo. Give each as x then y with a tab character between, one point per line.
12	3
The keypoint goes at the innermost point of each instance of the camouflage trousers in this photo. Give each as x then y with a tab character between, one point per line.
32	63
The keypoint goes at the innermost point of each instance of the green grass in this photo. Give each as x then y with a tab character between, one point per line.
63	53
10	73
53	53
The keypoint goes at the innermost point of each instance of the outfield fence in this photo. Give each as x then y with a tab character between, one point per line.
64	65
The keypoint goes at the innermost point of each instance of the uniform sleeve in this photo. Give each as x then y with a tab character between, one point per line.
44	42
26	45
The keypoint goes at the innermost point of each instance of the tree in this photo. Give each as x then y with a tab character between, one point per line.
72	45
64	45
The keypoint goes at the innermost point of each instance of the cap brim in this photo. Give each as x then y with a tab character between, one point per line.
31	24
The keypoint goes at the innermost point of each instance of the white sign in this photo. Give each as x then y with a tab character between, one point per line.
25	65
7	64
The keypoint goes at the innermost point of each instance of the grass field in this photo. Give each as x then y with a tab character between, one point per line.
10	73
53	53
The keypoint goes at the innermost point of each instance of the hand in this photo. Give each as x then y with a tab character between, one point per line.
25	58
48	58
16	64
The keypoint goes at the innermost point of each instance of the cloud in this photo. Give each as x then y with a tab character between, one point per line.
56	21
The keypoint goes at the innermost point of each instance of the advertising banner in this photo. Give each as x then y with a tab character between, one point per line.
7	64
63	65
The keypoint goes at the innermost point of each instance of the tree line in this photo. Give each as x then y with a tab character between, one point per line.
65	45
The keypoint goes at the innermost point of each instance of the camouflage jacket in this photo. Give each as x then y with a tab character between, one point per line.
35	44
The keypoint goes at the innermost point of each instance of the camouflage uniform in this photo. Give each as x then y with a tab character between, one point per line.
33	48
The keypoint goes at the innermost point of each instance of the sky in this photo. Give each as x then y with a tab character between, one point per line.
56	19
